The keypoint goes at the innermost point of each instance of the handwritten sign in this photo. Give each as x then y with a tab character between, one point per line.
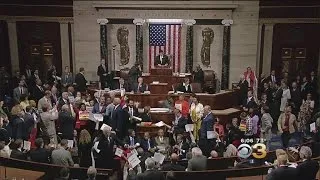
70	143
189	127
133	160
159	157
119	152
27	145
83	115
211	135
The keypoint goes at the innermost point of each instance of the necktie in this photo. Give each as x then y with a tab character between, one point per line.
161	59
131	141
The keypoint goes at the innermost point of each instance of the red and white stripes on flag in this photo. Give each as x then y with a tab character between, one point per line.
165	37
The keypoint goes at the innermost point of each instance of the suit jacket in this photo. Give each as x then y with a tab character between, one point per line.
48	120
198	163
144	144
180	127
182	88
206	125
296	98
37	93
42	102
249	104
17	94
146	117
105	146
308	169
67	78
126	140
165	141
61	102
117	119
269	78
40	155
18	128
165	60
81	82
151	175
66	124
61	157
243	85
173	167
305	89
282	173
96	109
126	86
141	89
16	154
29	124
101	71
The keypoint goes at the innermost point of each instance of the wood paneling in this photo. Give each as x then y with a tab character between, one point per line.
4	46
42	34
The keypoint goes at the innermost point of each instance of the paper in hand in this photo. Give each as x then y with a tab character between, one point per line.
98	117
136	118
159	124
211	135
189	127
133	160
27	145
70	143
159	157
105	126
312	127
119	152
178	106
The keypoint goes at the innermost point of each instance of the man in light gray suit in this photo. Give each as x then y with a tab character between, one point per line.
18	91
162	142
67	77
45	101
61	156
198	162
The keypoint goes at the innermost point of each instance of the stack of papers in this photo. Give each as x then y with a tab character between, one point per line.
136	118
159	124
211	134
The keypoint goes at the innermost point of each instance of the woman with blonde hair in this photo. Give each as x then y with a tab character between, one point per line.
84	148
24	101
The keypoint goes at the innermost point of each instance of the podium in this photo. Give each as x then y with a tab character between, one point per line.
161	71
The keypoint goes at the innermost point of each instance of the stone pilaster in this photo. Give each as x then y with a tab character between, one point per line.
13	43
267	48
64	38
189	44
139	40
226	54
103	40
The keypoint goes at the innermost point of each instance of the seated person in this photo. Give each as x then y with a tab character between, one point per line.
146	116
173	165
162	142
181	147
132	112
213	154
179	122
131	139
147	143
17	151
140	87
217	127
161	60
184	106
185	86
122	84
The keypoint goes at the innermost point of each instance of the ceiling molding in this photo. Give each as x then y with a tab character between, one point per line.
37	18
288	20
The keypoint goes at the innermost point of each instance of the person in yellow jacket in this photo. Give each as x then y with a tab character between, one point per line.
196	113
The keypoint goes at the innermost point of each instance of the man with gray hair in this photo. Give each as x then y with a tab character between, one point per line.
151	172
117	118
206	143
198	162
91	173
308	168
66	122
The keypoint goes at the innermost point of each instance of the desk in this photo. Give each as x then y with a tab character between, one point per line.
223	100
166	117
170	79
153	130
160	88
161	71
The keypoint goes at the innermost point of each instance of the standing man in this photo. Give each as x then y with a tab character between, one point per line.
67	77
66	122
102	72
134	73
18	91
198	75
206	144
161	60
117	118
81	81
286	123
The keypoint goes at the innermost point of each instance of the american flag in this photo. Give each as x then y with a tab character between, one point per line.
165	37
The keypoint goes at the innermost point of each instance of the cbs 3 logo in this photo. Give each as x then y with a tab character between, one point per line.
258	151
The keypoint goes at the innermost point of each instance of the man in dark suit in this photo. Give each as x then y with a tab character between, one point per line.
283	171
140	87
131	139
117	118
305	87
275	107
249	102
267	90
198	75
38	90
161	60
185	86
81	81
18	91
17	151
151	172
67	77
308	169
102	72
66	122
39	154
208	120
132	112
198	162
122	84
63	100
295	98
29	121
147	143
272	77
179	122
243	86
146	116
173	165
106	147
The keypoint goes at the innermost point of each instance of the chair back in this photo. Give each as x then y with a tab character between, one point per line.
196	87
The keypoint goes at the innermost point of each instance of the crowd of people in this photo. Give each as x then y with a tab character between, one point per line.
54	117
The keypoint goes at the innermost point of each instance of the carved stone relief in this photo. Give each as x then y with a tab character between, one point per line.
207	38
122	37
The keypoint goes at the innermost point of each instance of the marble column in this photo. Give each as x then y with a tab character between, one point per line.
267	48
226	54
103	40
139	40
189	45
259	62
64	38
13	43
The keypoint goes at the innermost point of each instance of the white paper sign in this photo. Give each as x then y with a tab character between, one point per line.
136	118
134	151
98	117
159	124
105	126
95	146
189	127
119	152
178	106
27	145
159	157
312	127
211	135
122	92
133	160
70	143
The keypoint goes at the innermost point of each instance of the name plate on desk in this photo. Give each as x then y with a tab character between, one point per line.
155	82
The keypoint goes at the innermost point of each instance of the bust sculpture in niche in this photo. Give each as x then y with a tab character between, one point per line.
122	37
207	38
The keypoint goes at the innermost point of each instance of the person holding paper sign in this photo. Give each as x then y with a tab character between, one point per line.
196	113
179	123
131	139
206	144
100	108
184	106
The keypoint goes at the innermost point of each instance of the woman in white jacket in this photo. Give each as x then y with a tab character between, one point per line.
285	95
